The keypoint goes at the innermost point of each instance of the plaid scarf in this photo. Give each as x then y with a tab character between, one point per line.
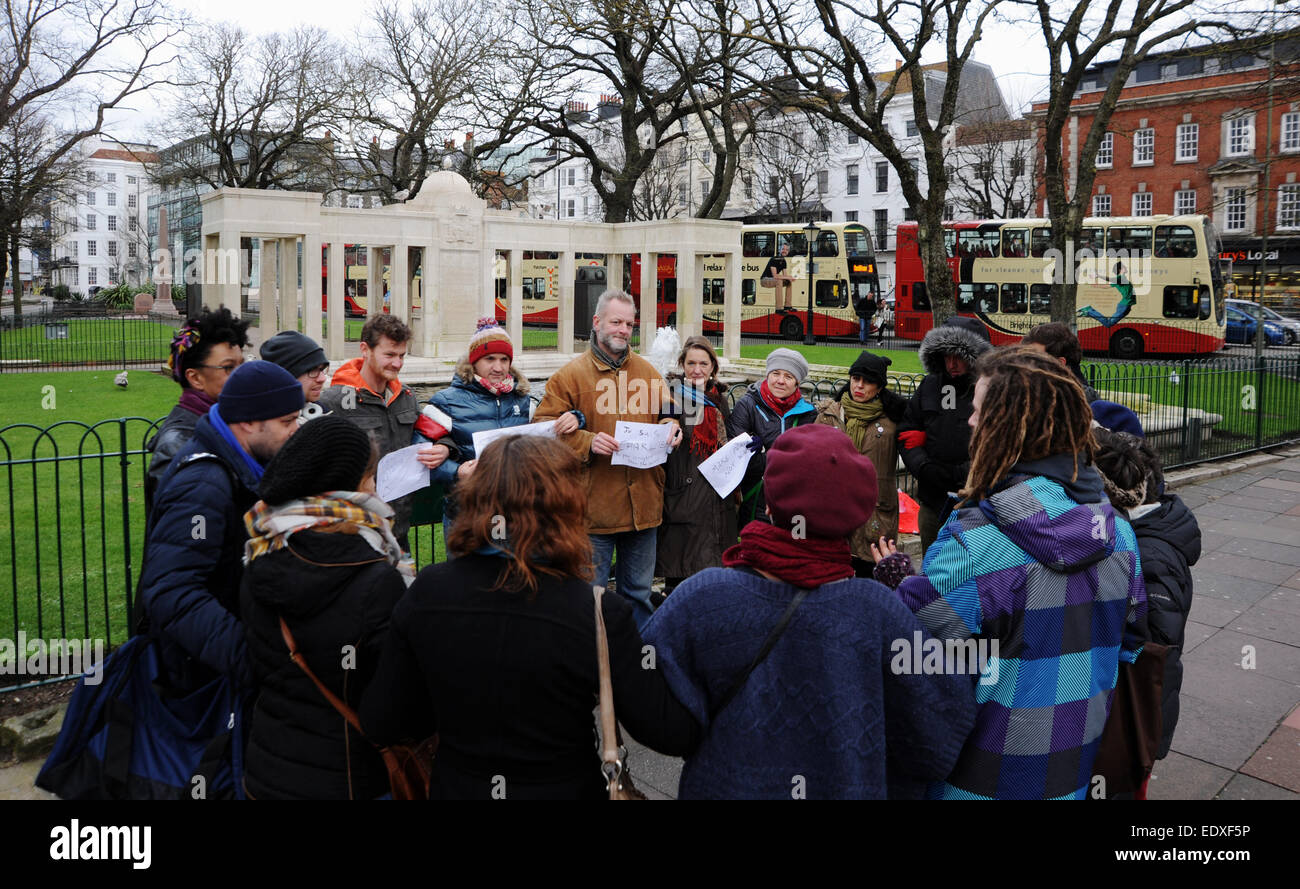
505	387
347	512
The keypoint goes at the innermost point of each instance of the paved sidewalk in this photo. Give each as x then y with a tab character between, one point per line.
1238	734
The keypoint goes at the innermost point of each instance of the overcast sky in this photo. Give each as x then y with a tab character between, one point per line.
1010	50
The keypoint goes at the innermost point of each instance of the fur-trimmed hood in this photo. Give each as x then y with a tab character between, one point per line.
964	337
465	373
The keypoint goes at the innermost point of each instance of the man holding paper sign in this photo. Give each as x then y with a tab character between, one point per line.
605	385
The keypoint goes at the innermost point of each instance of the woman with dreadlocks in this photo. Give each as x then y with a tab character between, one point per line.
698	523
1041	574
205	351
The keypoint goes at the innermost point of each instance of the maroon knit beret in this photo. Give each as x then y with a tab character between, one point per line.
815	472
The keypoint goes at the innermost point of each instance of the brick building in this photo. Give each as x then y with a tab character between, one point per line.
1199	130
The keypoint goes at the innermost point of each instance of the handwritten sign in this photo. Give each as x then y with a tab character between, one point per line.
485	437
641	445
726	467
400	473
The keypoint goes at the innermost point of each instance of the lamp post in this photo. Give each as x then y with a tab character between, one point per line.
810	233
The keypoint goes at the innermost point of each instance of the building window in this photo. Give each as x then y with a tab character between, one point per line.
882	229
823	181
1101	205
682	193
1241	136
75	249
1106	152
112	223
74	224
1234	209
1144	147
1291	131
1189	136
92	248
112	248
704	190
571	178
586	205
91	176
850	215
91	221
748	182
131	180
1288	206
1016	167
853	138
909	215
1142	203
92	275
90	198
1184	202
112	177
852	172
130	250
774	185
706	157
882	177
112	199
569	208
911	127
131	202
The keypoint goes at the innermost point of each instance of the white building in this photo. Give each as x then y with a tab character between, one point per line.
102	239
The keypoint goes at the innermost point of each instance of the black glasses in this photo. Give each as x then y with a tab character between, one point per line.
318	371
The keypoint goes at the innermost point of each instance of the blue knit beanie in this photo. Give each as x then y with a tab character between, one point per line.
259	390
1114	417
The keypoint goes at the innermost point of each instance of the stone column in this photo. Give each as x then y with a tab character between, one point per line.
564	322
399	284
431	300
515	297
689	309
225	272
649	308
419	323
374	281
311	287
731	309
614	270
335	313
288	319
267	305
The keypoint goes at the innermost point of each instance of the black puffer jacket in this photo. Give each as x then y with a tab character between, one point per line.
940	407
1169	543
299	747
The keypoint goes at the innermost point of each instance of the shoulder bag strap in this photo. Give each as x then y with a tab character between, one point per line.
296	656
610	763
763	652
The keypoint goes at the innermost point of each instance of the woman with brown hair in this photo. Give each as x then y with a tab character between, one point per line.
698	523
495	649
1037	575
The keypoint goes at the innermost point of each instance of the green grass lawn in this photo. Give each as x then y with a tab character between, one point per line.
97	340
904	360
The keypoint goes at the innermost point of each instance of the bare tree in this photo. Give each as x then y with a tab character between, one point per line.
74	60
657	194
1076	37
826	52
255	112
791	154
993	171
415	76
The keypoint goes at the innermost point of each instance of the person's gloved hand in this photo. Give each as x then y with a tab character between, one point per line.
912	438
755	445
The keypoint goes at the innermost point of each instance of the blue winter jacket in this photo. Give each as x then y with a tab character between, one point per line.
193	561
473	409
752	415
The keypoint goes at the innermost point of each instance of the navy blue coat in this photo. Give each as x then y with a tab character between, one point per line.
193	562
473	409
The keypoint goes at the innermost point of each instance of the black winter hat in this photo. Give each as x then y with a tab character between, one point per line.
295	352
259	390
971	324
326	454
872	368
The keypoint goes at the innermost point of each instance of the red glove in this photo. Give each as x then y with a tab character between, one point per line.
912	438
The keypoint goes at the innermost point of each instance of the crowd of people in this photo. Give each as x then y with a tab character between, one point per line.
777	659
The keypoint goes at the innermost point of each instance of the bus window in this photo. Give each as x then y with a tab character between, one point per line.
920	299
986	296
969	242
857	242
1014	298
828	294
528	288
1040	299
1187	301
950	242
713	290
1040	242
989	238
828	244
747	291
1133	241
1093	240
668	290
758	244
1175	241
797	242
965	297
1014	242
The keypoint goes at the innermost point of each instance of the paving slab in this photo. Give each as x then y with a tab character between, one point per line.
18	781
1278	761
1219	509
1279	484
1195	634
1275	660
1213	541
1285	599
1269	623
1257	570
1223	733
1211	611
1254	531
1181	777
653	770
1284	554
1293	581
1246	787
1232	588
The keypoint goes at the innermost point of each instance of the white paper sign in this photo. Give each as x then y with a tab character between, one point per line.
641	445
485	437
400	473
726	467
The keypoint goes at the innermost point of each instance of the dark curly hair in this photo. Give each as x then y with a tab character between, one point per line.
1130	468
194	340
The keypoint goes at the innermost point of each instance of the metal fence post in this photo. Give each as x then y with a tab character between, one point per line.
126	532
1259	396
1187	396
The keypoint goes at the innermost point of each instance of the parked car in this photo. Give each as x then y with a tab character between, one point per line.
1290	326
1240	329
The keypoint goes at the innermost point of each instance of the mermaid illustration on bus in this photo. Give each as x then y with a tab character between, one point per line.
1127	300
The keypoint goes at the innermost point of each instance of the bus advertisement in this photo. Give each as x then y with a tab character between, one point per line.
1149	285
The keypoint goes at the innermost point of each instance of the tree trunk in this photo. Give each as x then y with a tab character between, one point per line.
14	267
934	260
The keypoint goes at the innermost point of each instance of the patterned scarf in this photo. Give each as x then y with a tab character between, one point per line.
347	512
859	417
183	340
782	406
806	563
505	387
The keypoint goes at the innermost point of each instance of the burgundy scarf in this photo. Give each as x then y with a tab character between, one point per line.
704	434
780	405
196	401
804	563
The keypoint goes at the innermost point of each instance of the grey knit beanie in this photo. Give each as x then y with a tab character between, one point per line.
788	360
